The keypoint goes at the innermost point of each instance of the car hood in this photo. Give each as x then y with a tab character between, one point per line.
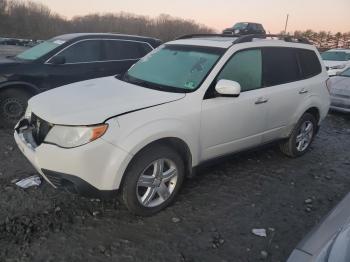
334	63
340	85
94	101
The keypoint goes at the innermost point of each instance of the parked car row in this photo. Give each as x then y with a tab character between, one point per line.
62	60
19	42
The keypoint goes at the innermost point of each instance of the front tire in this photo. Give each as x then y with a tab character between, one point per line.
13	103
301	138
152	180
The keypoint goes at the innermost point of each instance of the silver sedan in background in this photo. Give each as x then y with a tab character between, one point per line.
330	240
340	91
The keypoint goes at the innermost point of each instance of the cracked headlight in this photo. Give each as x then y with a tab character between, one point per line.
74	136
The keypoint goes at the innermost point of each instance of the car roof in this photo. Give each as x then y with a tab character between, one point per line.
221	42
80	36
226	42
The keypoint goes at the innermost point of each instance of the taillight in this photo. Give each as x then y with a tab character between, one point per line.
328	85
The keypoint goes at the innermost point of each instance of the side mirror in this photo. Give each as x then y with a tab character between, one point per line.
228	88
58	60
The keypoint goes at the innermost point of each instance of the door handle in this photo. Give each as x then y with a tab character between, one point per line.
261	100
303	91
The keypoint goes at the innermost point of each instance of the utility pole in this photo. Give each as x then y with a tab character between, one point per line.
286	26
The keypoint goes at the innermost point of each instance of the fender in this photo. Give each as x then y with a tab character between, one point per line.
34	89
138	138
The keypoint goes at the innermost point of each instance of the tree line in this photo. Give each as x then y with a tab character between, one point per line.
19	19
31	20
326	40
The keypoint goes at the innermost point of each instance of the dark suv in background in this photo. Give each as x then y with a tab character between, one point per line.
62	60
245	28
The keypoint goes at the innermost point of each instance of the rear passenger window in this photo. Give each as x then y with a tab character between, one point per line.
280	66
122	50
245	67
83	52
309	63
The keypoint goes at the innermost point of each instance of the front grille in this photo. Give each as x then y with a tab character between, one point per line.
40	129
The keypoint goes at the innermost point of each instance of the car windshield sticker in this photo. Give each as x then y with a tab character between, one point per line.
59	42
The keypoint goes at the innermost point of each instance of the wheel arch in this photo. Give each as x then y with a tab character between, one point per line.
28	87
175	143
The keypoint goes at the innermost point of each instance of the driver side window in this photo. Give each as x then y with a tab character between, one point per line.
245	67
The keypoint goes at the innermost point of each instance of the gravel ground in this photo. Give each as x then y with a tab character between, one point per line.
211	220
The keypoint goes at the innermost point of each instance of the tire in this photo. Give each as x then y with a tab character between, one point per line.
293	148
13	103
147	201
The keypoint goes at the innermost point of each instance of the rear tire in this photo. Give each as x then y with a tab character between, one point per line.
152	180
13	103
301	138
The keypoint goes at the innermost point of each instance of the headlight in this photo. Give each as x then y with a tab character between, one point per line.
74	136
338	67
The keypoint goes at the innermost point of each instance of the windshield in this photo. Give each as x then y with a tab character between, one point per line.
346	73
174	68
39	50
240	26
335	56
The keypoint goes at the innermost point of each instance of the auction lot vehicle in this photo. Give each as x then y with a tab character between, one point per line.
340	91
189	101
63	60
245	29
336	60
330	240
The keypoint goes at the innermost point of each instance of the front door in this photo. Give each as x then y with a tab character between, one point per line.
230	124
83	61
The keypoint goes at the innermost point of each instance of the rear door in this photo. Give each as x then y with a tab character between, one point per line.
120	55
286	88
82	62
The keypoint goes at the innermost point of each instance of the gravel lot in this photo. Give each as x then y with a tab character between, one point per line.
211	220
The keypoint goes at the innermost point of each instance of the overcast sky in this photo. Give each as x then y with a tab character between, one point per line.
304	14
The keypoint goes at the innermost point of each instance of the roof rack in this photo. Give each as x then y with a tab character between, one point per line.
249	38
287	38
205	35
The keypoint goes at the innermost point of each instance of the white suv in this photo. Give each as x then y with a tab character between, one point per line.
189	101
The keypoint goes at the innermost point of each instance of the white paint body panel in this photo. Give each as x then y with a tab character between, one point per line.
209	127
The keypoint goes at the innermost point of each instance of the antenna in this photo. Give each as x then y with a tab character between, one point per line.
286	26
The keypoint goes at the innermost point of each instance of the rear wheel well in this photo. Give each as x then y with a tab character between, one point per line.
315	112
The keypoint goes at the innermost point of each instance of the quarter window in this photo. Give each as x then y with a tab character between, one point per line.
309	63
122	50
280	66
245	67
82	52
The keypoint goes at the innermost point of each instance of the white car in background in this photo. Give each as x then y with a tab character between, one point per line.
189	101
336	60
340	91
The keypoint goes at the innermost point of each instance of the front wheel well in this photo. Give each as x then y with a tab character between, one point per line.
22	86
179	146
